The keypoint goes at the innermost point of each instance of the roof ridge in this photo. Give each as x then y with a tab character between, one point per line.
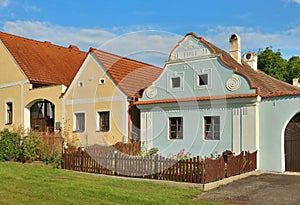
41	42
123	57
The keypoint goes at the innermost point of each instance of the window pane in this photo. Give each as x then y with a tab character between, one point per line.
80	122
212	127
203	79
9	114
175	128
176	82
104	121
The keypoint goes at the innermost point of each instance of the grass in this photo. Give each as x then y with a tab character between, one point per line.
36	183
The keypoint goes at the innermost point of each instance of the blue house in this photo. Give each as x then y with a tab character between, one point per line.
208	100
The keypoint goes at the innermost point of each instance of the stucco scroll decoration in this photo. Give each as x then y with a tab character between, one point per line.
151	92
233	83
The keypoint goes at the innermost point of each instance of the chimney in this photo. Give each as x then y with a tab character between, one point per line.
251	59
73	47
235	47
296	82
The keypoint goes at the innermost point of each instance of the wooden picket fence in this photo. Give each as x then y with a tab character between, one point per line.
192	170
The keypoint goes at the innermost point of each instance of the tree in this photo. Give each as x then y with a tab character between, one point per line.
274	65
293	69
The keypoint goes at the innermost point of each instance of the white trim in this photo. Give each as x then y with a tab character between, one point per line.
95	100
203	127
98	120
74	121
7	85
9	100
282	141
197	73
182	124
172	75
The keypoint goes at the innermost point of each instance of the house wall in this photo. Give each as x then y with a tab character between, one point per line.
238	116
275	114
93	97
50	93
155	128
11	88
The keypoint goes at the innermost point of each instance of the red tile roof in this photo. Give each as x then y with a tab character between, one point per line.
265	85
42	62
131	76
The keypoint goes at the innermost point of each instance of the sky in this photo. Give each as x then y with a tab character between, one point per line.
147	30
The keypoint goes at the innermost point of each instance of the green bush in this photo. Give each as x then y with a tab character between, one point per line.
17	148
54	159
30	148
9	145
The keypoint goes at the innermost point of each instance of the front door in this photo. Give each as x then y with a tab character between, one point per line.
292	145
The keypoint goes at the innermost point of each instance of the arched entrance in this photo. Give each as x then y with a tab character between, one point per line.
292	144
42	115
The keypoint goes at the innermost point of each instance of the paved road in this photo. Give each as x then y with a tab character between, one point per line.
262	189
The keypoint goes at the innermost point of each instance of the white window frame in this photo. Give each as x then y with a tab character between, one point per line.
170	76
98	120
197	73
7	121
204	128
169	129
74	122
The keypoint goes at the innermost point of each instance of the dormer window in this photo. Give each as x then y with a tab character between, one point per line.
175	82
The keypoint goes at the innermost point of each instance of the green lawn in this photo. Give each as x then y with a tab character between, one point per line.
36	183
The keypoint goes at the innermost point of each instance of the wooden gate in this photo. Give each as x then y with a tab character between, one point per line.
292	145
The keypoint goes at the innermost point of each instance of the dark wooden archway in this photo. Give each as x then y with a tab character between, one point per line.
292	144
42	116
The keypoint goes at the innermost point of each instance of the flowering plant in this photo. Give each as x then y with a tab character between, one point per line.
215	155
181	155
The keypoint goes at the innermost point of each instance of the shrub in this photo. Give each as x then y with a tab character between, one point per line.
150	152
9	145
30	147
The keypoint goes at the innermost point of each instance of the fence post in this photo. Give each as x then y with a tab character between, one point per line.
81	159
155	166
202	171
115	162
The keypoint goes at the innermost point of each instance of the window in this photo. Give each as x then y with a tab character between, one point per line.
203	79
79	125
175	128
175	82
9	113
212	127
80	84
104	121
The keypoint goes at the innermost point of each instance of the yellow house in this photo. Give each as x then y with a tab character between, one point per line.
99	102
33	77
49	88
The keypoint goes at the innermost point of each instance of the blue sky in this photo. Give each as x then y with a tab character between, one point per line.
148	30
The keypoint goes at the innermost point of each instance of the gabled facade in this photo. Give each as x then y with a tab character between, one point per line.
34	75
99	102
208	100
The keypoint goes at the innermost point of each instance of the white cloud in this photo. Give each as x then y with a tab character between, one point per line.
4	3
295	1
152	46
252	40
